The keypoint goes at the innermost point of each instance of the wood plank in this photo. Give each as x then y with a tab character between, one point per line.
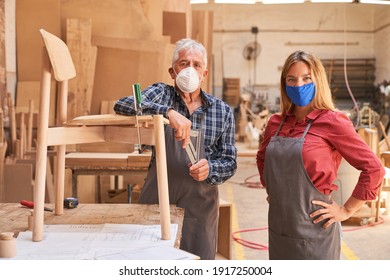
57	135
118	19
12	122
180	6
138	45
78	40
108	119
18	182
30	126
121	134
97	134
175	25
29	91
13	216
224	246
3	70
106	147
117	69
108	160
30	17
152	11
202	31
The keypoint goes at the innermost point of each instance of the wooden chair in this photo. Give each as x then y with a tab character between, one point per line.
56	58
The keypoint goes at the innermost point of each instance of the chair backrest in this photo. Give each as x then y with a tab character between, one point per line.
59	55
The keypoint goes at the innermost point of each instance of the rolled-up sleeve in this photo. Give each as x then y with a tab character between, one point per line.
357	153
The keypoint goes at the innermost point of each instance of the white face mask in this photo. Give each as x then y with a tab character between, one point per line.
187	80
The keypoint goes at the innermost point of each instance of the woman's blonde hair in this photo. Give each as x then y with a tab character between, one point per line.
322	97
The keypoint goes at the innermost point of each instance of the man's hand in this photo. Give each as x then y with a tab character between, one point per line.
200	170
181	126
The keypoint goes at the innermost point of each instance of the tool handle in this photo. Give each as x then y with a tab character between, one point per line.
30	204
27	203
137	98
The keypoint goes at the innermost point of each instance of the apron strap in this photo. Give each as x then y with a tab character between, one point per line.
307	128
304	133
280	126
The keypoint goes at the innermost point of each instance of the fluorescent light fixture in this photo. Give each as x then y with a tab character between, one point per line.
235	1
383	2
199	1
283	1
332	1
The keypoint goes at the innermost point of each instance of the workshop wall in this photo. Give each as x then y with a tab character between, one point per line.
382	43
282	28
319	28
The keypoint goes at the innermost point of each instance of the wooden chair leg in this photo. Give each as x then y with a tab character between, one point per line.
162	178
41	157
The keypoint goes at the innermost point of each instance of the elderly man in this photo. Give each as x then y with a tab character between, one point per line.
193	187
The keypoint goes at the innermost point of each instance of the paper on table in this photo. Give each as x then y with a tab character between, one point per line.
105	241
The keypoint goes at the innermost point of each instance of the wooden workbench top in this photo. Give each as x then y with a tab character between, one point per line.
13	216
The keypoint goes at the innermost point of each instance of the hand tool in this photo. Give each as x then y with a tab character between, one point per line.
30	204
193	146
71	202
138	111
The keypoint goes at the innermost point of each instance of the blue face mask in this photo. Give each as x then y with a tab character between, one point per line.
301	95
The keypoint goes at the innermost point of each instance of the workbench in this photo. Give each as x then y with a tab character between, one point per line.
14	217
97	164
84	163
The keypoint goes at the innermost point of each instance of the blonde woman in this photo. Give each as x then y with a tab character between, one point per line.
298	162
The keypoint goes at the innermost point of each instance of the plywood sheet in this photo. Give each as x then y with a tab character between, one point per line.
78	39
30	90
113	18
202	31
153	12
118	68
180	6
30	17
175	26
18	182
176	5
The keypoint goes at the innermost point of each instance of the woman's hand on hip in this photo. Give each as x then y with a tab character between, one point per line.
335	212
331	212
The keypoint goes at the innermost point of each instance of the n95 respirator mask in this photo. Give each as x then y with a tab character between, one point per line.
187	80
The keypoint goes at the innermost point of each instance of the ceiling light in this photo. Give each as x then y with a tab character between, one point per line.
283	1
235	1
383	2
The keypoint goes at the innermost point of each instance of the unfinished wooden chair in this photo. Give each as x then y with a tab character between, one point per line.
56	58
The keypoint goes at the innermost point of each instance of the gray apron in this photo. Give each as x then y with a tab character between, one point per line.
199	199
292	234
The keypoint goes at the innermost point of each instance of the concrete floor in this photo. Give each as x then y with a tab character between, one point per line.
249	220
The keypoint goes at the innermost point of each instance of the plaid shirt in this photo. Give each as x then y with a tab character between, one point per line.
218	128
